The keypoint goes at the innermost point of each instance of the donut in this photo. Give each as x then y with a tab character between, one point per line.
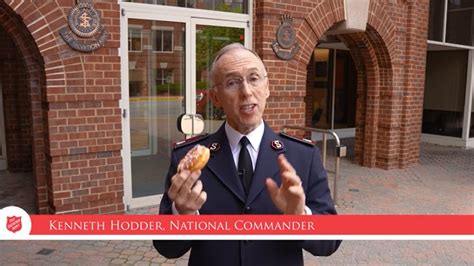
195	159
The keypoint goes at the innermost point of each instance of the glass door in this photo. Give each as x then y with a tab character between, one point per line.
154	93
332	81
3	148
156	63
165	64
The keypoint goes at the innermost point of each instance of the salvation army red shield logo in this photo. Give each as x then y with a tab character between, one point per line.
13	223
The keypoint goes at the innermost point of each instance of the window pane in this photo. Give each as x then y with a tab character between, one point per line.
167	41
159	77
184	3
460	21
156	91
435	28
209	40
320	79
157	41
134	39
455	4
233	6
153	2
345	91
168	74
445	89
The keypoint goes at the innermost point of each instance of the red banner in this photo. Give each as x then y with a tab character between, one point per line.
252	225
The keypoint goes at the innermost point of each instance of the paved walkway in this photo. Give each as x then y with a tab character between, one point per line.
17	189
442	183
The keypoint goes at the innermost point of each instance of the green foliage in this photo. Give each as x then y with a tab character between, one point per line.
201	85
172	89
175	89
227	8
211	39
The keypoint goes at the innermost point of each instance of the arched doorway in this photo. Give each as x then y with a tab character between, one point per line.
373	98
347	75
21	82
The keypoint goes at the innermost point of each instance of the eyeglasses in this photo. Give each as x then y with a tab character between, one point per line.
235	83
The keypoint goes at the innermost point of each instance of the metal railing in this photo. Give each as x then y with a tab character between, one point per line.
341	150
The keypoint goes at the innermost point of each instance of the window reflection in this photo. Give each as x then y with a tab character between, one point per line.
209	40
436	20
134	40
163	40
156	95
460	21
332	80
445	89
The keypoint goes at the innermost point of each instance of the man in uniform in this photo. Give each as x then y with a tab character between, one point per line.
252	170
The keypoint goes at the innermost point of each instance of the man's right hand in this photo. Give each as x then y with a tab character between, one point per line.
186	192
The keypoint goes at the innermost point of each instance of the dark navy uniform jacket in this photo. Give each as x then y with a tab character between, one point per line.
226	195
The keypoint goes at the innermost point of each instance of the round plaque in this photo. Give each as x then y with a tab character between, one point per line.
84	20
286	35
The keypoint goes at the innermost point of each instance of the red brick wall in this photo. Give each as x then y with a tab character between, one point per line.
390	60
80	105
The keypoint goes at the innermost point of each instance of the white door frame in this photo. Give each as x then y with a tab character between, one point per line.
3	143
190	17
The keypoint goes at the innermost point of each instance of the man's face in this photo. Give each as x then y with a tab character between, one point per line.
244	103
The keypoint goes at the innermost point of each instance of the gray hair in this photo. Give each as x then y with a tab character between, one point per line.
224	50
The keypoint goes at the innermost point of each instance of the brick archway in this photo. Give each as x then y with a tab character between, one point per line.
28	83
75	107
377	133
389	57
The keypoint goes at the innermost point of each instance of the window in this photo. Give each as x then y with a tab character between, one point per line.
226	5
155	2
186	3
162	40
445	92
453	24
460	22
164	76
436	20
233	6
165	84
134	40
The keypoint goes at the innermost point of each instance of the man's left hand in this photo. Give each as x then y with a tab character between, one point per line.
289	198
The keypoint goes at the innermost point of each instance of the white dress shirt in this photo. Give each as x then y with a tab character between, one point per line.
254	137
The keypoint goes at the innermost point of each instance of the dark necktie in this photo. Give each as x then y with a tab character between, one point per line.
245	164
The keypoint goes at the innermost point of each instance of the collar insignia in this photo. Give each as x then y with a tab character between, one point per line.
214	147
277	145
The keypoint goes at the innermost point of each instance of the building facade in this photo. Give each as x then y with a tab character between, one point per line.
96	126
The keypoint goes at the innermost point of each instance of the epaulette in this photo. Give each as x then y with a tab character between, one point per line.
192	140
301	140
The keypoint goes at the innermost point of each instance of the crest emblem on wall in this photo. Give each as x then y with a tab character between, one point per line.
14	223
285	45
85	32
